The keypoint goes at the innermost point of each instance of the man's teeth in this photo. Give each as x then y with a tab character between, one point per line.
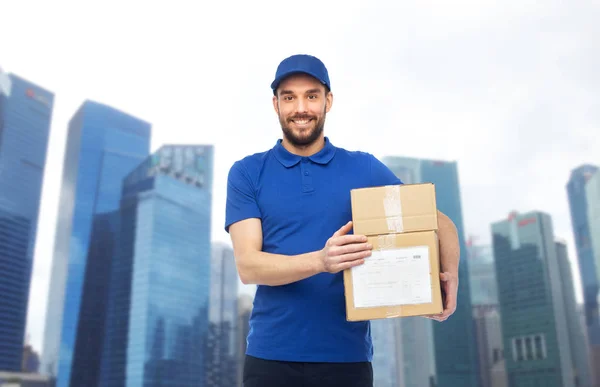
301	122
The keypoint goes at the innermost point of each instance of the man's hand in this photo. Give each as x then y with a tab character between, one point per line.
344	251
449	282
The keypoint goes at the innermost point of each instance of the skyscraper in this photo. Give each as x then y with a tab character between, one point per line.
25	115
482	275
221	350
589	262
580	354
454	339
103	146
385	361
245	304
158	300
484	293
530	293
592	193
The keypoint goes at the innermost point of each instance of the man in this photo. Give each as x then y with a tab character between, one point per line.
289	217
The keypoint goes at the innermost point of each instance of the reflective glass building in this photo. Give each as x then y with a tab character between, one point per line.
25	115
222	344
103	146
454	340
156	325
582	202
537	346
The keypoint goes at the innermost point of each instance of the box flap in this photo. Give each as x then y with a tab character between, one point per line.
394	209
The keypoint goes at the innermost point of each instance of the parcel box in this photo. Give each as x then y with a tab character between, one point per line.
402	276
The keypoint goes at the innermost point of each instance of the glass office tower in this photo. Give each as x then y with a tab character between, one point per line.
25	115
156	325
103	146
222	346
532	308
454	340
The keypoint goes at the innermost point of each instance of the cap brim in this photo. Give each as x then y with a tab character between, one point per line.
278	80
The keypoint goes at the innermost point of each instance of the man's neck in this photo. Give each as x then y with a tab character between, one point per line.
306	150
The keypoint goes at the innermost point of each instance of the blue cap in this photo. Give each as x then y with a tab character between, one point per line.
306	64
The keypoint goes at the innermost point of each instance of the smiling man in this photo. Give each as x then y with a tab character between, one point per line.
289	216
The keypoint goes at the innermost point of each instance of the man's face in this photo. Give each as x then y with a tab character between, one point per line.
301	104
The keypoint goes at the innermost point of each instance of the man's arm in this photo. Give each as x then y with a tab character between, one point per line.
449	245
449	261
257	267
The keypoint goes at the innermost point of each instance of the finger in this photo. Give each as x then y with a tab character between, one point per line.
347	265
347	239
350	248
350	256
345	229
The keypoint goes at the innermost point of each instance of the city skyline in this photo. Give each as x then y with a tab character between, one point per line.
477	126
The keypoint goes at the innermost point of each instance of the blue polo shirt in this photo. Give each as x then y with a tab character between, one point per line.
301	202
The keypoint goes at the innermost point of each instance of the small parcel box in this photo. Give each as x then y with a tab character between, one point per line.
402	276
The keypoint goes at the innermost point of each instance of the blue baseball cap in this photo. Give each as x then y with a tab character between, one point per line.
301	63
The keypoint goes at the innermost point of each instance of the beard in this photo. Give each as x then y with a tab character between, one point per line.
309	135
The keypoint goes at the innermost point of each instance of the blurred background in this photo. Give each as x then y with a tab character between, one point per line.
119	122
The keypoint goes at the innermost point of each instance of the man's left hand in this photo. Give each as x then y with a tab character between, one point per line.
449	283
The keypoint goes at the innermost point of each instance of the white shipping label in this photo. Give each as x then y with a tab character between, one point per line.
393	277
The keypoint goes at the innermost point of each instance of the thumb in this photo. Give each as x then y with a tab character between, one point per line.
344	229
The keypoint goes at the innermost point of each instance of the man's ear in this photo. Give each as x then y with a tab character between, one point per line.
328	101
276	104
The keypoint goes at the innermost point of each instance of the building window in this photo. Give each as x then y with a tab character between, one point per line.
529	348
519	348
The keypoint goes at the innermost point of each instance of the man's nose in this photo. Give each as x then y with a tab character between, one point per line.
301	106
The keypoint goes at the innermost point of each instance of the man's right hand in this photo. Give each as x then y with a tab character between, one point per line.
343	251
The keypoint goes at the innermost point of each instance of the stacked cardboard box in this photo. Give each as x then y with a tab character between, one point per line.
402	276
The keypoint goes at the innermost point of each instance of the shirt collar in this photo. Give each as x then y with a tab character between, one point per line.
288	159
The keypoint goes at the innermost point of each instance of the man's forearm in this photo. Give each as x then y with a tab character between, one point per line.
262	268
449	245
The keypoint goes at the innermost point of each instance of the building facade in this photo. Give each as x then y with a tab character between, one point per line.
103	146
157	317
222	347
532	309
580	205
455	344
25	116
580	354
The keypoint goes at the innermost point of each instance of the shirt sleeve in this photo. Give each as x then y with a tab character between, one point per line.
381	174
241	199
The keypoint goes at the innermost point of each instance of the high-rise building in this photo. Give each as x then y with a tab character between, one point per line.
415	352
490	346
156	324
580	354
222	348
581	205
25	115
592	193
385	362
245	302
484	296
103	146
482	275
532	308
454	340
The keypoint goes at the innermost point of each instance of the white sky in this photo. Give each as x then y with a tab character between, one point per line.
511	92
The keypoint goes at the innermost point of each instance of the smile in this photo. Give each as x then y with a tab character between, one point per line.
302	122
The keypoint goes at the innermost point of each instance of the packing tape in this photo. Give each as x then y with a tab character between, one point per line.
392	206
385	241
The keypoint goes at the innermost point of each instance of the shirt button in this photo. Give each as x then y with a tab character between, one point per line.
306	173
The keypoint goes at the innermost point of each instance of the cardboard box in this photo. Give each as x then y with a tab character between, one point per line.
402	276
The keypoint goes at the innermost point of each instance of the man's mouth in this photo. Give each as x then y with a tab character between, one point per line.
301	121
